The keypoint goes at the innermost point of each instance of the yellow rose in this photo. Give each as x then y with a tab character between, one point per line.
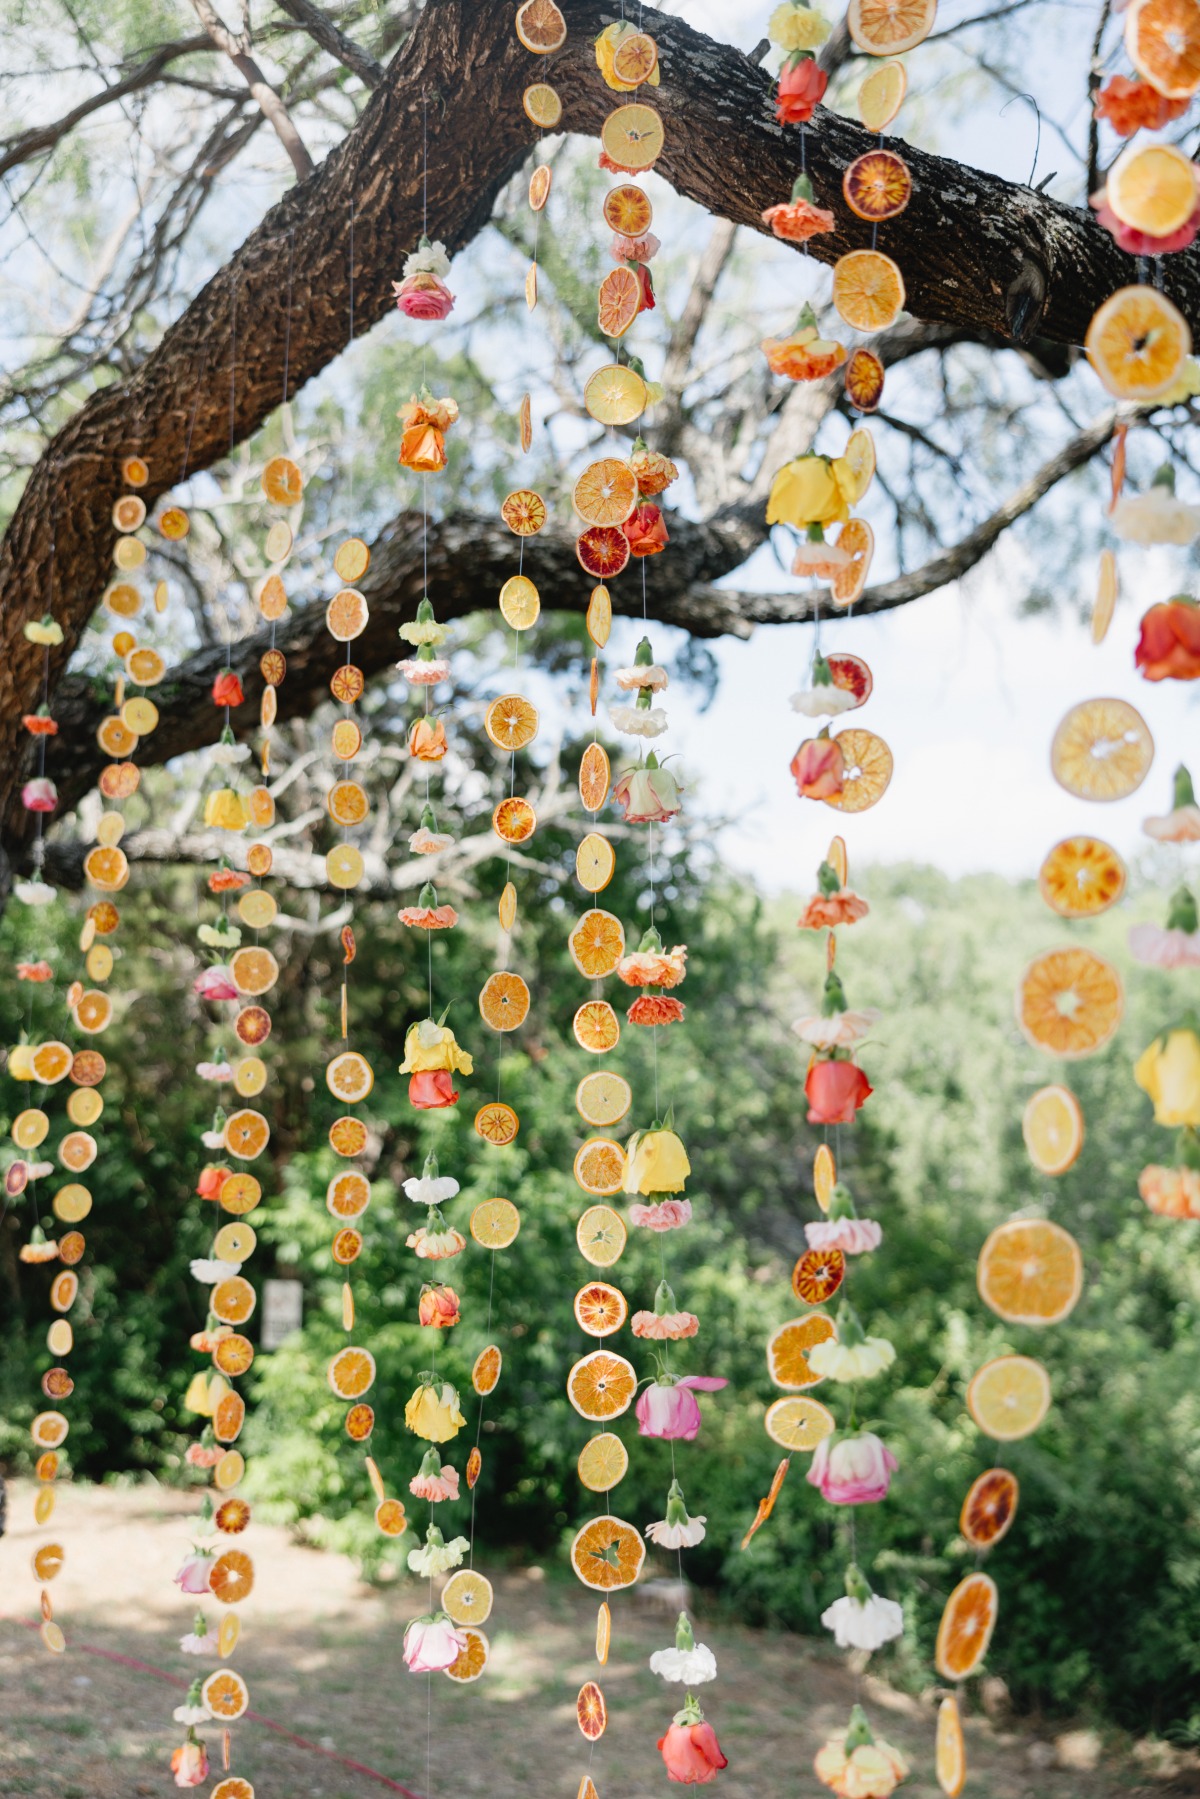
429	1047
433	1412
657	1163
1169	1071
198	1399
807	492
20	1061
606	50
226	810
1185	385
795	27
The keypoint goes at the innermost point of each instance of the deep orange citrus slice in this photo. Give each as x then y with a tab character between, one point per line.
607	1553
497	1123
471	1660
591	1712
1030	1272
504	1001
600	1167
868	290
1081	876
866	771
989	1508
524	512
351	1373
347	1136
511	722
282	481
1137	343
618	302
602	550
863	378
595	777
966	1627
51	1062
600	1309
232	1356
233	1300
254	970
628	211
889	27
817	1275
1070	1002
541	27
539	192
601	1385
347	803
228	1417
247	1134
348	1194
877	185
788	1347
596	1027
514	820
1162	38
607	491
485	1373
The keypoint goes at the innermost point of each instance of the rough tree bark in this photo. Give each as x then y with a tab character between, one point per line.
966	241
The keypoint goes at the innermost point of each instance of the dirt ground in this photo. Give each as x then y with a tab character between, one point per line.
321	1654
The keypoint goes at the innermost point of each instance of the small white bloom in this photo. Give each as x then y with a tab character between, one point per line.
228	755
199	1645
643	674
864	1624
690	1666
191	1714
214	1071
35	893
213	1139
39	1170
436	1558
838	1031
823	702
208	1273
419	631
426	1191
635	721
851	1361
1155	517
429	259
436	1246
228	938
685	1535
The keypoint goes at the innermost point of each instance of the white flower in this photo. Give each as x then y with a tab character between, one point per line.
426	1190
1180	826
684	1535
419	631
213	1139
39	1170
228	755
690	1666
424	842
823	702
429	259
635	721
191	1714
35	893
851	1361
214	1071
199	1645
208	1273
1161	948
1155	517
838	1031
863	1624
437	1557
227	938
436	1245
643	674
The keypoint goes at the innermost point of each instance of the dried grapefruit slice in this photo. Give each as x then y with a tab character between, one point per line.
599	616
951	1752
966	1627
600	1235
1069	1002
633	137
591	1712
798	1423
519	602
607	1553
1102	750
495	1223
602	550
504	1001
601	1385
1009	1397
788	1347
1162	38
1052	1125
596	1027
889	27
497	1123
989	1508
1137	343
1081	876
868	290
600	1167
1030	1272
600	1309
467	1597
511	722
597	944
877	185
866	771
615	394
595	777
607	491
541	27
603	1462
524	512
618	302
628	211
881	95
603	1099
514	820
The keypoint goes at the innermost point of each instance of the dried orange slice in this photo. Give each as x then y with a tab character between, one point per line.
542	105
866	771
348	1194
881	95
594	681
282	481
511	722
506	909
539	193
351	1373
1030	1272
117	782
49	1429
233	1300
232	1787
868	290
115	737
485	1373
600	1235
525	410
607	491
360	1422
596	1027
72	1204
889	27
595	862
247	1134
591	1712
989	1508
129	512
602	550
232	1356
1162	38
1152	188
254	971
93	1013
633	137
228	1417
514	820
495	1223
349	1076
617	306
351	559
47	1466
346	1246
1009	1397
601	1385
279	540
1081	876
519	602
235	1243
635	58
597	944
84	1106
174	524
1105	603
347	683
1070	1002
603	1462
29	1128
346	615
1137	342
863	380
51	1062
347	803
504	1001
1102	750
600	1167
225	1694
77	1151
628	211
261	807
271	597
607	1553
615	395
467	1597
798	1423
966	1627
145	667
595	777
140	715
603	1099
497	1123
600	1309
239	1194
524	512
347	1136
599	617
858	463
531	286
951	1752
48	1561
1052	1125
129	553
259	860
877	185
231	1577
64	1290
106	867
135	471
788	1347
817	1275
471	1660
229	1471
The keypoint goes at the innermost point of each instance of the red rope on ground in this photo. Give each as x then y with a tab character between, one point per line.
175	1680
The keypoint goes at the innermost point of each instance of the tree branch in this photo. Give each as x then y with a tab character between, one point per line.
237	49
335	43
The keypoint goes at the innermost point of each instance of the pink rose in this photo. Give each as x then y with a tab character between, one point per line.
216	983
189	1764
423	297
692	1753
431	1644
857	1470
663	1215
672	1411
193	1576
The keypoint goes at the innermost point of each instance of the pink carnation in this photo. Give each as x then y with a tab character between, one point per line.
1162	948
664	1327
634	249
436	1487
853	1236
663	1215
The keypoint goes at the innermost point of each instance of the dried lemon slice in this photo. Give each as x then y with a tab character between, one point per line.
1102	750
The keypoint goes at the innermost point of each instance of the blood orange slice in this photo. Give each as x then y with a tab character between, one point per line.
989	1508
864	380
852	675
591	1711
877	185
603	550
817	1275
627	210
619	300
600	1309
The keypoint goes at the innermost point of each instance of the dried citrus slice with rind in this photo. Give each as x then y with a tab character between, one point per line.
857	539
1102	750
863	379
798	1423
1081	876
1137	343
603	1463
868	290
890	27
597	944
606	493
603	1099
1070	1002
788	1347
600	1167
599	616
471	1660
29	1128
615	394
602	1385
346	615
511	722
595	777
617	305
591	1711
539	192
601	1236
514	820
351	559
467	1597
607	1554
348	1194
1151	187
239	1194
866	771
633	136
600	1309
247	1134
542	105
233	1300
595	862
485	1372
602	550
351	1373
1008	1397
497	1123
1162	39
966	1627
989	1508
504	1001
524	512
950	1760
1107	589
1052	1125
254	970
506	909
282	481
347	804
344	866
881	95
495	1223
51	1062
348	1136
349	1077
519	602
817	1275
596	1027
628	210
1030	1272
877	185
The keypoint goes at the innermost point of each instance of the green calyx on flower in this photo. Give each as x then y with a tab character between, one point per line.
815	532
835	996
1164	476
690	1712
859	1735
199	1625
822	674
1181	915
227	735
425	612
849	1326
827	875
841	1202
1182	599
207	1439
644	701
434	1220
638	366
430	1170
664	1300
857	1586
677	1512
428	818
651	942
651	761
640	446
193	1692
684	1637
428	895
37	1235
1187	1149
1184	792
643	656
206	1509
433	1536
431	1462
802	189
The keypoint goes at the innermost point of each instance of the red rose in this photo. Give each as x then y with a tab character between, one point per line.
646	531
818	767
692	1753
801	88
1169	646
227	689
431	1090
835	1091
